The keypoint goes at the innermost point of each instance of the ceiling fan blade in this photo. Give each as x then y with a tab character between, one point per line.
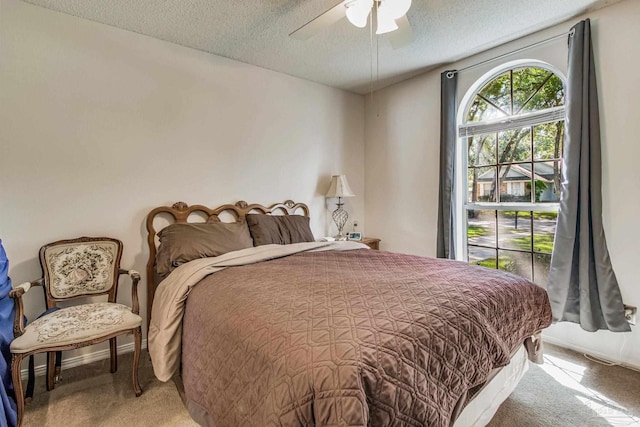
403	35
320	22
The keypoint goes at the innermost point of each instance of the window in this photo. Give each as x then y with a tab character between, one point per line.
512	132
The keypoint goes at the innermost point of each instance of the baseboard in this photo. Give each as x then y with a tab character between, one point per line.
83	359
590	352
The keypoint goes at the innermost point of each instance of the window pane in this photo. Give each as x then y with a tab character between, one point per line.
482	184
482	150
544	229
547	141
514	145
515	262
547	182
541	265
481	110
550	95
482	256
481	228
498	92
514	230
536	89
515	183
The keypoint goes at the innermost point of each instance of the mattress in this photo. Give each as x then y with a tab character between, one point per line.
484	405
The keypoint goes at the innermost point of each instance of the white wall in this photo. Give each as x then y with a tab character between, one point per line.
99	125
402	158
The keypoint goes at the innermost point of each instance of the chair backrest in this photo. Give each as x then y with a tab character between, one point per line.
80	267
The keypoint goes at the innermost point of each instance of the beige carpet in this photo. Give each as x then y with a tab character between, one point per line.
568	390
90	396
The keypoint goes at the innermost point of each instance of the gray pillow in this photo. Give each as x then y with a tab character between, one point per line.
279	229
180	243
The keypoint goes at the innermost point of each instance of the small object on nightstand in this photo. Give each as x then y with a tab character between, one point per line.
372	242
355	235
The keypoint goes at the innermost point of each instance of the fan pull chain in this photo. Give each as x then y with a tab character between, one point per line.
374	99
377	73
371	55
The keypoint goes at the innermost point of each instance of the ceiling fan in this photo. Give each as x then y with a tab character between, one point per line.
390	17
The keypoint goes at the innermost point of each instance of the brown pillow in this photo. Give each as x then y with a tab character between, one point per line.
279	229
180	243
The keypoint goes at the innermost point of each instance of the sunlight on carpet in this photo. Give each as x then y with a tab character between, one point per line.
570	375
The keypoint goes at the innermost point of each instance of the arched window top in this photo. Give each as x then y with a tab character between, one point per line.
517	91
514	95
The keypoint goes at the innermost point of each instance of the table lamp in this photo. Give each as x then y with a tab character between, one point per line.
339	188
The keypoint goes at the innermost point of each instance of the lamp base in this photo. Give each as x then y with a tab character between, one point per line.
340	237
340	217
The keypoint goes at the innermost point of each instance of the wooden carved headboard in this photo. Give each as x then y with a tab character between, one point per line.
180	212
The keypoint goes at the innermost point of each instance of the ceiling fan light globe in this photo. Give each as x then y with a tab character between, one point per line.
357	19
358	12
396	8
386	23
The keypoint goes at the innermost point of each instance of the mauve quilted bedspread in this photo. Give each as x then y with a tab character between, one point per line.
357	338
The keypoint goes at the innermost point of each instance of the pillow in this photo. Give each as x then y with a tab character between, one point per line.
180	243
279	229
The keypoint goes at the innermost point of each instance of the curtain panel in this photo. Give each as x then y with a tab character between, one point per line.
8	411
448	132
582	285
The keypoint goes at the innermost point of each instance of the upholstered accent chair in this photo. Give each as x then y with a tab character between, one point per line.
72	269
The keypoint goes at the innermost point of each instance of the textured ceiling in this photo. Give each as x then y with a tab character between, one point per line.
256	32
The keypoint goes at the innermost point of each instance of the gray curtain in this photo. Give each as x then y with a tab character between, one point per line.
446	202
582	285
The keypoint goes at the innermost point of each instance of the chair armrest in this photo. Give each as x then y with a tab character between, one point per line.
135	278
16	294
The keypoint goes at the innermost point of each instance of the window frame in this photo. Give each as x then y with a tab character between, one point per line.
466	129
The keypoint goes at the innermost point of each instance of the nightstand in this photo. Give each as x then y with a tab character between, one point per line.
372	242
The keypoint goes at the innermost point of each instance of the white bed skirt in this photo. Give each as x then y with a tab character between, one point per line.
484	405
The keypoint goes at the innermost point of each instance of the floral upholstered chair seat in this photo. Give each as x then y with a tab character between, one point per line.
73	269
76	324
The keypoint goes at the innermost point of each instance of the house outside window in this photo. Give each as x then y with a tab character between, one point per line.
511	134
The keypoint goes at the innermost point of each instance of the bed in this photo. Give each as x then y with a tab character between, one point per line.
331	334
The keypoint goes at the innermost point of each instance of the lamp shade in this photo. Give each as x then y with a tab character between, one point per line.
339	187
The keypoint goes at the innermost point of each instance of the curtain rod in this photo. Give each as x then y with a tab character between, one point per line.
550	39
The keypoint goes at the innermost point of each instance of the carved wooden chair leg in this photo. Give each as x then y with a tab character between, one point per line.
51	370
137	338
16	363
114	354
